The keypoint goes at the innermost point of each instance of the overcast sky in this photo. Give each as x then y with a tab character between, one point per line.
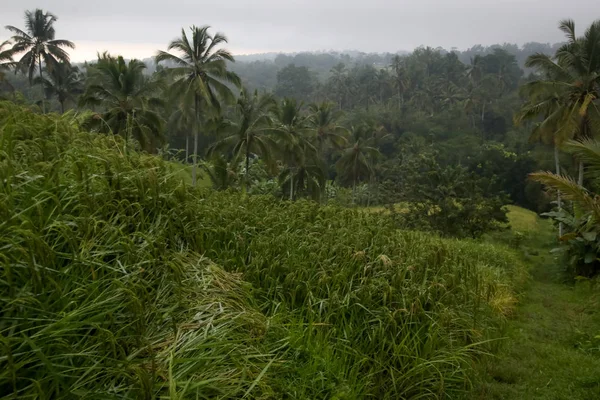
136	28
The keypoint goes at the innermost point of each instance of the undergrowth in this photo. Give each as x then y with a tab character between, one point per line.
119	280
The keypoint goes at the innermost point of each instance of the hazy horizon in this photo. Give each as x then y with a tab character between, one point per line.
139	29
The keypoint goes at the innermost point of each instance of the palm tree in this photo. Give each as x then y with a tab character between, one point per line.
295	146
582	240
63	81
200	74
572	76
127	98
249	132
400	82
324	121
6	62
356	162
179	123
221	173
547	105
38	43
6	58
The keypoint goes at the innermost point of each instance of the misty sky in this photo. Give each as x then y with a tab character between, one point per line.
136	28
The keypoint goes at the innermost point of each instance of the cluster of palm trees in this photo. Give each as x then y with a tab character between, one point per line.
297	143
428	81
194	95
564	102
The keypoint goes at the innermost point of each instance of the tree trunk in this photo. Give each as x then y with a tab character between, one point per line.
127	128
580	179
558	199
324	167
187	145
42	84
247	175
292	185
354	191
483	111
62	107
196	133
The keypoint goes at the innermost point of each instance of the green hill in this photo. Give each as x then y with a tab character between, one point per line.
119	280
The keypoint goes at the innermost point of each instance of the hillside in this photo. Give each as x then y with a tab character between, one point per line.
120	280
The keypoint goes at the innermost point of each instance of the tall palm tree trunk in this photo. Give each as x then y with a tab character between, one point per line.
292	184
196	134
247	173
42	84
187	151
325	172
558	199
580	177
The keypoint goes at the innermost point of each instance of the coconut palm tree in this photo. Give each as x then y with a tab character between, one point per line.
249	131
6	58
127	98
297	151
356	162
6	62
63	81
545	106
200	74
582	241
324	120
571	83
400	77
180	122
37	42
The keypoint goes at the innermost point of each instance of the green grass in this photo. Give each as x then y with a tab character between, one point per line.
526	221
119	280
551	350
184	172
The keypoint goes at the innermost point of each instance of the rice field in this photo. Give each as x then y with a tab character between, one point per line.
119	280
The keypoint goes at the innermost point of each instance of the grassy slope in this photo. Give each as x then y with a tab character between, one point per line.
544	356
118	280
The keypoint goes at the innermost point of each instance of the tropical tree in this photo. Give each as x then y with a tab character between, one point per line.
127	98
582	242
200	75
297	152
571	83
249	132
400	78
324	121
545	107
63	81
339	80
38	42
356	162
6	58
180	121
222	174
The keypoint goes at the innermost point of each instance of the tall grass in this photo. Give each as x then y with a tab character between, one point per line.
118	280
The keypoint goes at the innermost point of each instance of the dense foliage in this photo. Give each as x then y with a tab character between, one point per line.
117	279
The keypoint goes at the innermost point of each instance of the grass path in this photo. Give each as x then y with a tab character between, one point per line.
552	350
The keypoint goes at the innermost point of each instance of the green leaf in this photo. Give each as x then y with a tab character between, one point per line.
589	258
589	236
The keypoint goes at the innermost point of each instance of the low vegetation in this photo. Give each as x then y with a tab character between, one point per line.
120	279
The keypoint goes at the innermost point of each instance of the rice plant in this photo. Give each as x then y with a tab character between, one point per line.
120	280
